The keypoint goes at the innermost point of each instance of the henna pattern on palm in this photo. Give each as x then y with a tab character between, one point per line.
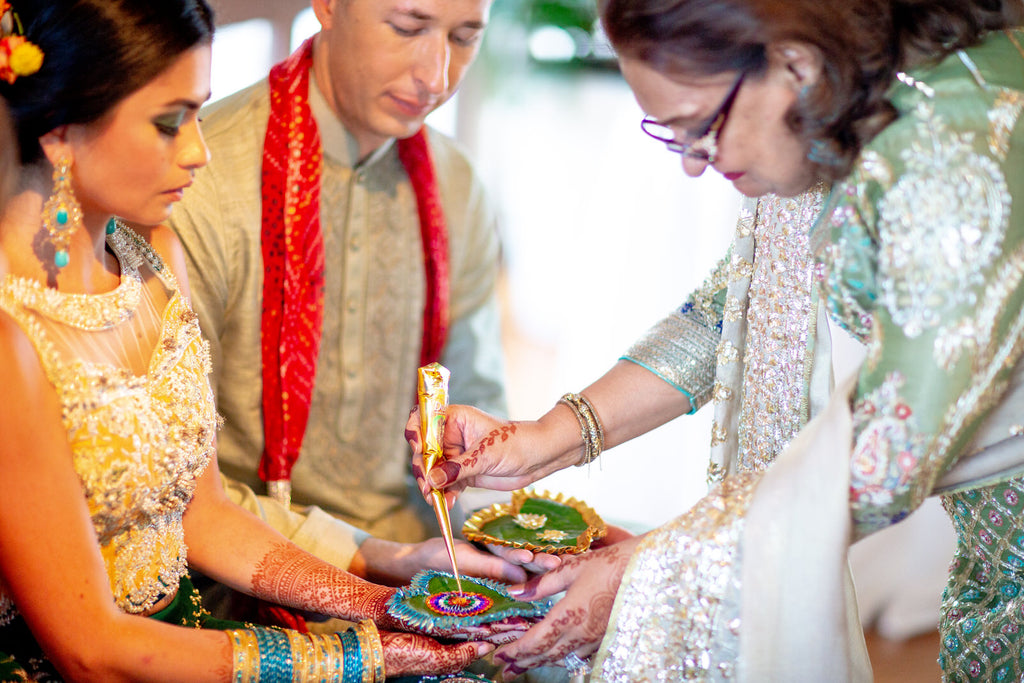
406	653
289	576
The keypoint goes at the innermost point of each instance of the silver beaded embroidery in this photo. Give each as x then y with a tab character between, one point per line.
684	581
946	228
677	618
680	349
139	443
780	319
1003	117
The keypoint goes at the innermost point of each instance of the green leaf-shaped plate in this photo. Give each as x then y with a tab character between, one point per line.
539	522
432	603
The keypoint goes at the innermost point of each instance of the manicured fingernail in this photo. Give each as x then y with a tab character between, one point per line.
522	591
483	649
522	556
437	478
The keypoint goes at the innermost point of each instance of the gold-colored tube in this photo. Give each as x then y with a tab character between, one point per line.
432	391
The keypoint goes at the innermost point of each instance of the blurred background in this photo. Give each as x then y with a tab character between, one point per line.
603	235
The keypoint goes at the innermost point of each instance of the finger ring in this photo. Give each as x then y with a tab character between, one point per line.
575	665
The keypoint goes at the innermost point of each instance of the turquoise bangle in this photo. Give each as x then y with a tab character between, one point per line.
353	657
275	656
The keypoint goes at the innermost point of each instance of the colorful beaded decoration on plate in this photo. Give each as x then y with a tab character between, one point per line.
433	603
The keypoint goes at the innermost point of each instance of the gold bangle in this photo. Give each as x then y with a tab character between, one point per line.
299	644
597	429
244	656
375	649
591	429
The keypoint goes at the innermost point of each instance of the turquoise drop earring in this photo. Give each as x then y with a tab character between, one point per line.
62	214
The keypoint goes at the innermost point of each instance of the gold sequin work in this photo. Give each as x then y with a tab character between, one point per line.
678	618
130	369
780	320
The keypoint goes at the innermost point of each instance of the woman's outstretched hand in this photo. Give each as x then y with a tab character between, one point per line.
578	621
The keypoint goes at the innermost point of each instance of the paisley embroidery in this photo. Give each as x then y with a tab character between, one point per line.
936	243
887	453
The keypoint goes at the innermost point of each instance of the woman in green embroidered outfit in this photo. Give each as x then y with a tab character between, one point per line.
111	489
912	110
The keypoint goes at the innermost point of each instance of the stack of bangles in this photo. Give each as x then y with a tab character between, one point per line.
590	426
269	655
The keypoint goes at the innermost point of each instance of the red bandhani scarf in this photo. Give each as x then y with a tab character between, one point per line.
293	262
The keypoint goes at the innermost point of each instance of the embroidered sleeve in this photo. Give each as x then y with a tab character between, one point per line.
927	267
682	348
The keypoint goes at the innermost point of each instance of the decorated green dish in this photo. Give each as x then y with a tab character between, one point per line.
538	522
432	603
464	677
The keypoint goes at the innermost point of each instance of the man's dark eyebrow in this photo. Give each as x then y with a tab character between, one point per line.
423	16
417	14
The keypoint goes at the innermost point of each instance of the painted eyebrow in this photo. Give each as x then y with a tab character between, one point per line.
681	121
188	103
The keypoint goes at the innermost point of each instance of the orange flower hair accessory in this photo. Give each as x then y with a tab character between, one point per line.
18	55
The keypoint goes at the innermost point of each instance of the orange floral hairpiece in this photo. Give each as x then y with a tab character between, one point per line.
18	55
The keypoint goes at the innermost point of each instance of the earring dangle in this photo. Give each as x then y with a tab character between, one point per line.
823	152
62	214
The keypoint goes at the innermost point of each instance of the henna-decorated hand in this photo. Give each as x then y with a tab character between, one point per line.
578	621
407	653
289	576
393	563
482	450
497	632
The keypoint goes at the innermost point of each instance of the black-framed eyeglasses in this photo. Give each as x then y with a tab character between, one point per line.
702	146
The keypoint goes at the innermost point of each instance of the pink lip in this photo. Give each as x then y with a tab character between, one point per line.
412	108
180	190
732	176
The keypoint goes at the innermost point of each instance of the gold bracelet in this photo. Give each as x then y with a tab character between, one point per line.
596	428
244	655
591	429
301	654
375	650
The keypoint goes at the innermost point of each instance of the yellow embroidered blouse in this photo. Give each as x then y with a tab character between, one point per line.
130	368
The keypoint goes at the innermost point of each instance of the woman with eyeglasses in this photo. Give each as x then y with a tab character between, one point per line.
910	110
